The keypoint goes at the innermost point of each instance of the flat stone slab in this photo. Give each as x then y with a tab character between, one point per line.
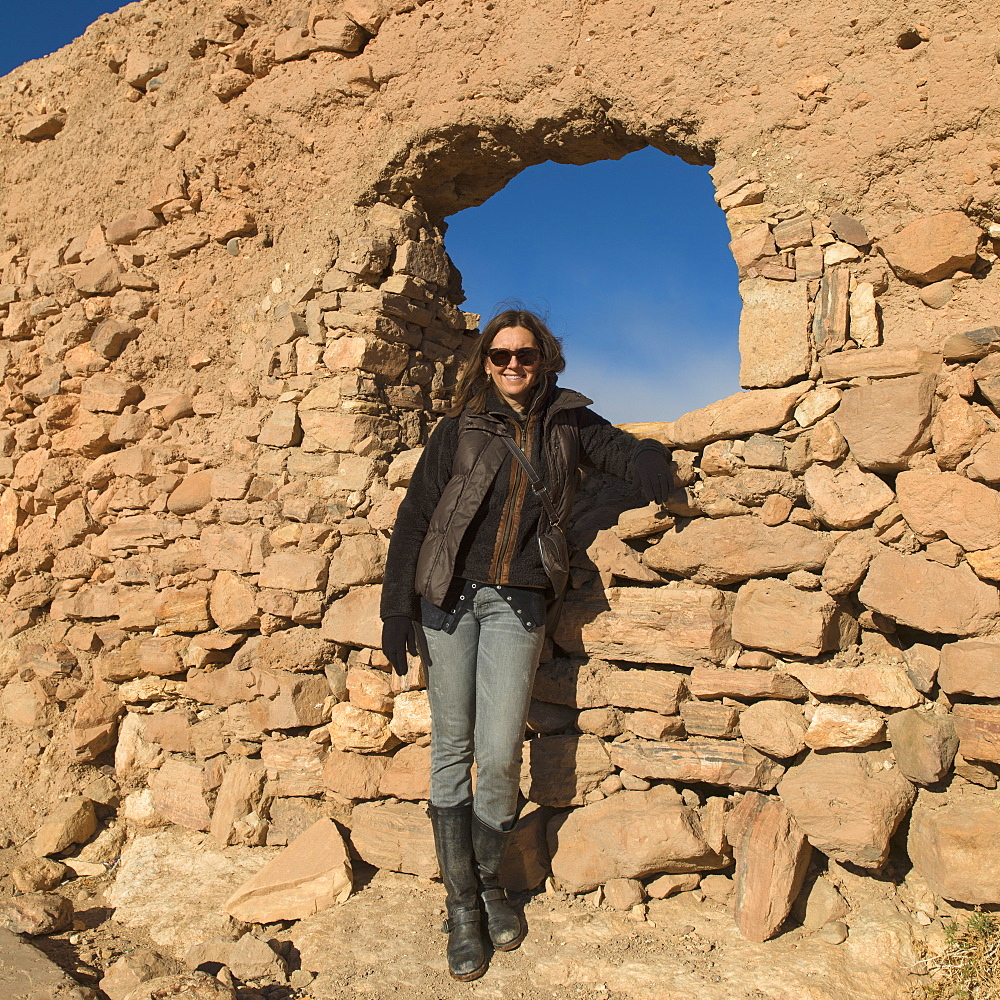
682	626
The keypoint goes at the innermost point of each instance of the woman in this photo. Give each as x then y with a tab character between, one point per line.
468	541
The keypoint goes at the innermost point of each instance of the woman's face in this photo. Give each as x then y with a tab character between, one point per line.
515	380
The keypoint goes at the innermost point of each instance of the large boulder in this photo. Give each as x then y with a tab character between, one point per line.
776	728
774	615
354	619
924	744
738	415
713	762
630	835
730	549
173	884
978	730
772	856
774	333
685	626
928	596
933	248
883	684
937	504
848	803
845	496
887	421
953	843
396	836
561	770
848	562
969	667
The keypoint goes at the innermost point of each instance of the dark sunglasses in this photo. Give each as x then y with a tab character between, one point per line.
526	356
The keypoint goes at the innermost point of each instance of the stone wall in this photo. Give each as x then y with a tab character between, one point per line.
228	322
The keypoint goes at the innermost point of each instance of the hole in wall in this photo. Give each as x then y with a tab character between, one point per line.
629	261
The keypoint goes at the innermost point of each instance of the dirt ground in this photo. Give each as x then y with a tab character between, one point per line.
385	943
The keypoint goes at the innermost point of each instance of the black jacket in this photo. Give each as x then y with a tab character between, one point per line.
500	544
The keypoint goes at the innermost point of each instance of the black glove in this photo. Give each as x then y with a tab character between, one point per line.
399	637
651	473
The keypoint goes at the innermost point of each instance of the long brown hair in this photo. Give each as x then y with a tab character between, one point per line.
473	383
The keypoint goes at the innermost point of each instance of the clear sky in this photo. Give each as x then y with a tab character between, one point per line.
628	259
38	27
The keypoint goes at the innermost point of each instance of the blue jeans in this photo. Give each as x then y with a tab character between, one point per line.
479	682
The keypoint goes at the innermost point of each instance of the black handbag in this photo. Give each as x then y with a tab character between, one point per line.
552	541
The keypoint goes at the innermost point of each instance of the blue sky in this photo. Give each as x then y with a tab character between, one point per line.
643	292
628	259
39	27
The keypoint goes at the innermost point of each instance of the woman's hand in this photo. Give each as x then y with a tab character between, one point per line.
651	473
399	637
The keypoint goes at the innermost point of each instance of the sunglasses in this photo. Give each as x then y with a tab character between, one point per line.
526	356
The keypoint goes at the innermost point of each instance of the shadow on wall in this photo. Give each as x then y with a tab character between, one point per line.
629	261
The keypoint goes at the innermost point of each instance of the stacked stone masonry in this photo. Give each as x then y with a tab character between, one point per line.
219	369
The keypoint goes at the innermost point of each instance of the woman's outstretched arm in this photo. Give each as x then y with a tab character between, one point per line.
642	462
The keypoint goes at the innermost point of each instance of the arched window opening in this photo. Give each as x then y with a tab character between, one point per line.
629	261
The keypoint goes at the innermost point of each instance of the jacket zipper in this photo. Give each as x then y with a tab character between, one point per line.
507	528
514	502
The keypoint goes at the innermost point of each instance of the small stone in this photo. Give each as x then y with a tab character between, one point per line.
233	246
669	885
39	875
252	958
71	822
228	84
37	913
924	745
40	127
132	970
112	336
623	893
937	295
819	904
126	228
140	68
632	783
834	932
849	229
718	888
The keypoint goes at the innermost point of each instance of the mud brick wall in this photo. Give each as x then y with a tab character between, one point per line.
228	322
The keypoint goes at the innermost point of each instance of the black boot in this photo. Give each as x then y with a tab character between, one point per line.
453	843
489	847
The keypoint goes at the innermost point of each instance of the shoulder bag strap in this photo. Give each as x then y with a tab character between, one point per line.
538	486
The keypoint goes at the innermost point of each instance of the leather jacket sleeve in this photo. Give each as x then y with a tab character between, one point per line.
429	478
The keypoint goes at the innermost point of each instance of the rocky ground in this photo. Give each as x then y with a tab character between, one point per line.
384	942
